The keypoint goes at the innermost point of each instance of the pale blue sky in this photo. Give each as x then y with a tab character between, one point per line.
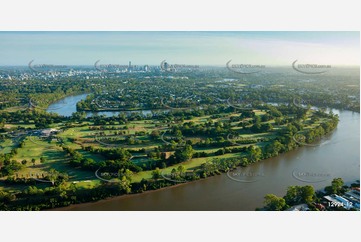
199	48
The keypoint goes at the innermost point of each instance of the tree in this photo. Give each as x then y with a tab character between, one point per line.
244	162
336	186
33	161
278	121
292	196
297	195
127	173
274	203
256	128
291	129
274	148
255	153
256	119
125	185
155	134
266	127
6	197
163	156
266	117
178	134
42	159
53	176
24	162
181	170
247	114
125	180
156	174
184	154
174	173
307	194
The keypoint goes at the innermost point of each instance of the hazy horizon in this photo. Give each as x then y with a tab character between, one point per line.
273	49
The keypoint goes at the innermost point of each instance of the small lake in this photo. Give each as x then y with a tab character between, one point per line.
67	106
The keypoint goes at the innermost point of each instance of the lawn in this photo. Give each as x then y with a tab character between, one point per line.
6	146
55	158
189	165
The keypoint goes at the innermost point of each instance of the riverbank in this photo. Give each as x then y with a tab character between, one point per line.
81	206
221	193
88	206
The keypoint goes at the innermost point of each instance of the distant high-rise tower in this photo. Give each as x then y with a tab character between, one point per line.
166	66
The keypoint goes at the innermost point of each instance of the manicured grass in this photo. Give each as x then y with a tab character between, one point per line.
35	148
6	145
87	184
55	159
95	157
14	109
31	126
206	150
189	165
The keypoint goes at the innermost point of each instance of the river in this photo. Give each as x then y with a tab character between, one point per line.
338	155
66	106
